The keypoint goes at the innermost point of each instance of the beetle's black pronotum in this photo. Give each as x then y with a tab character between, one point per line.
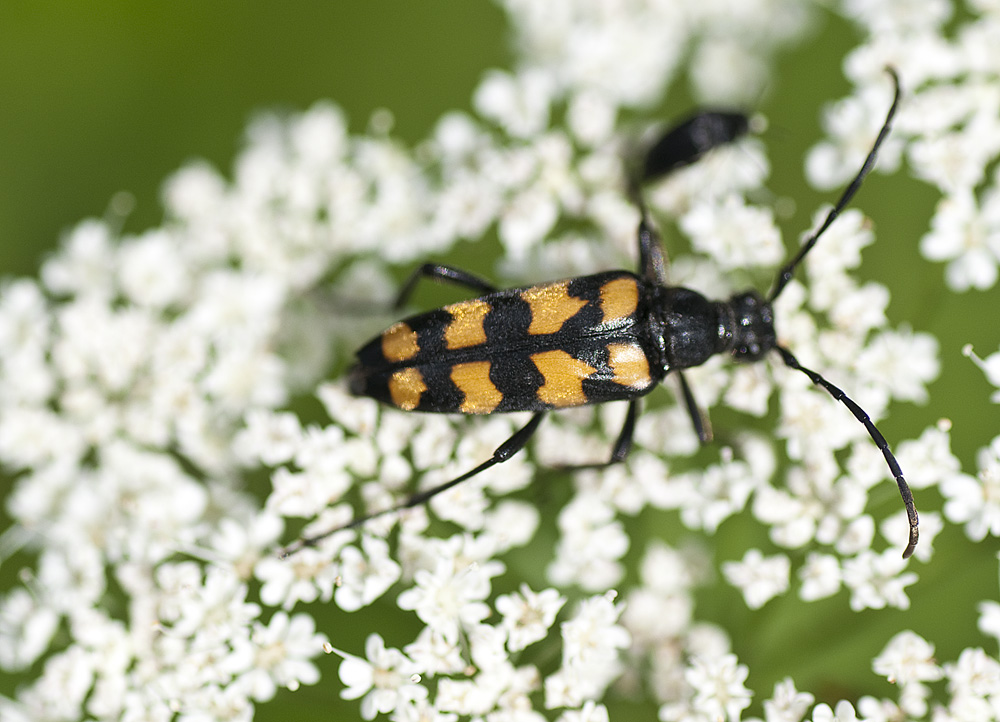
611	336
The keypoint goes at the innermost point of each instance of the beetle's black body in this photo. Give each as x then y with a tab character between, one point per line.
611	336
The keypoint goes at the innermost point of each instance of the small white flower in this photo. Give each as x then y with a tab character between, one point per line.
468	205
954	161
814	505
60	690
528	615
512	523
434	654
591	643
820	577
465	696
518	103
844	712
787	704
215	608
712	496
306	575
749	389
896	16
384	678
243	542
907	658
526	219
928	460
726	69
591	117
974	675
590	712
25	321
989	618
280	655
976	500
448	599
856	312
989	366
734	234
591	543
194	192
358	415
152	272
487	649
364	577
812	422
273	438
718	686
86	263
878	580
465	504
656	618
305	493
759	578
842	243
421	711
881	710
26	629
434	444
857	536
901	361
960	234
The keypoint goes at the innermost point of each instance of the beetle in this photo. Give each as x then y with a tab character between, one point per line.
610	336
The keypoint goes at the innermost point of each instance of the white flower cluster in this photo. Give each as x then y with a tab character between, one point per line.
975	500
144	380
949	123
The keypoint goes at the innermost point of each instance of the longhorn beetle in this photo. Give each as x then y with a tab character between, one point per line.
611	336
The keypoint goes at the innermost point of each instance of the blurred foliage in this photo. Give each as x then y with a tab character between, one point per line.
100	97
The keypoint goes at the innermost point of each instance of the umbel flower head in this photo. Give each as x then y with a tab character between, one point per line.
147	381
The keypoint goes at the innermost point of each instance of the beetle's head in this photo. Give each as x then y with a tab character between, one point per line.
753	332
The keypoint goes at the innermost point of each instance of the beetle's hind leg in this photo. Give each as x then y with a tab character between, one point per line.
445	274
503	452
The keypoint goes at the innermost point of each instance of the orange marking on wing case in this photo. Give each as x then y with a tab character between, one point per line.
551	306
619	299
399	343
466	327
630	365
406	387
563	376
473	380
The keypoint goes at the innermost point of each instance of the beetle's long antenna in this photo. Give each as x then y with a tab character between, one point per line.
880	442
785	275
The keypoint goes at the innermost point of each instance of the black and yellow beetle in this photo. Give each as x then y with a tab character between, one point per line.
611	336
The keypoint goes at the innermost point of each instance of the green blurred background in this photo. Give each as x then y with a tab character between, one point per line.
102	97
